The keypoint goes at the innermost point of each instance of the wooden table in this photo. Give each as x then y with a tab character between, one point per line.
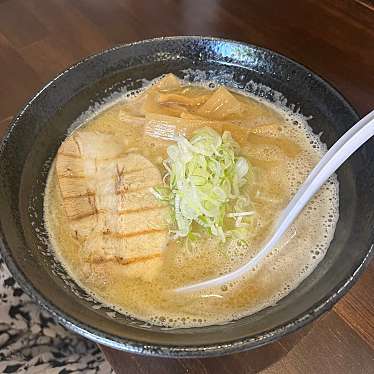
39	38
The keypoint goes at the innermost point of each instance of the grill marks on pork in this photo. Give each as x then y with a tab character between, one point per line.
106	196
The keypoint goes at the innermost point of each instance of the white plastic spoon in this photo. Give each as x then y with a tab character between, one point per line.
330	162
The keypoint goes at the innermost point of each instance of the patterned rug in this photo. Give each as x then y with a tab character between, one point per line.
32	342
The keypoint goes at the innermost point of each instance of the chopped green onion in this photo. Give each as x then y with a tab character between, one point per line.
203	176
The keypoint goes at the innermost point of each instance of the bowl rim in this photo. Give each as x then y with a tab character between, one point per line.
163	350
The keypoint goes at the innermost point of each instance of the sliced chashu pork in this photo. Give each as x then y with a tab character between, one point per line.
107	198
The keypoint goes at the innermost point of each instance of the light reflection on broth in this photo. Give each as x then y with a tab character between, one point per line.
112	237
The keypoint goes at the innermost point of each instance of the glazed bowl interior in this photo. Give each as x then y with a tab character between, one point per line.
39	129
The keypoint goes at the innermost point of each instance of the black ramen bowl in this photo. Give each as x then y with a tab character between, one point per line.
37	131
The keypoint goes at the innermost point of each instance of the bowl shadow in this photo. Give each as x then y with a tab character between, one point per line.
253	361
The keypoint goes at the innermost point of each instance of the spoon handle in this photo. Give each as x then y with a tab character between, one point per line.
330	162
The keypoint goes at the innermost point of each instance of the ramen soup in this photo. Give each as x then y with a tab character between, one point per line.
180	183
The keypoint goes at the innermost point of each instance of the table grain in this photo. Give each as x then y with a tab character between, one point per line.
334	38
